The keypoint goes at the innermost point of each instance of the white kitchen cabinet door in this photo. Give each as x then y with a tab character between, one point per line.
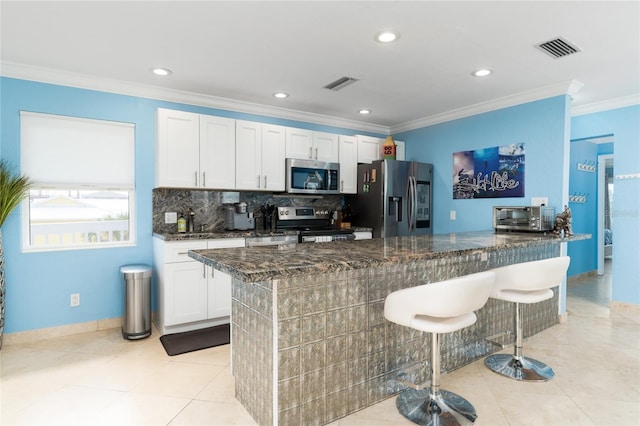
248	155
400	154
299	143
273	157
217	152
348	164
325	147
185	293
218	294
369	149
177	149
219	283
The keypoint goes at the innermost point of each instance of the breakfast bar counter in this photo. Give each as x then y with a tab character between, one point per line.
309	341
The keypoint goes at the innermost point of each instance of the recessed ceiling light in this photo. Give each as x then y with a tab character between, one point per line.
387	36
280	95
482	72
163	72
364	111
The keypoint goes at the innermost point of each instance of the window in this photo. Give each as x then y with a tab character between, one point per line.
83	182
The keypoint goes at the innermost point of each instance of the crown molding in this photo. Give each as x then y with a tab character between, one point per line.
89	82
569	87
622	102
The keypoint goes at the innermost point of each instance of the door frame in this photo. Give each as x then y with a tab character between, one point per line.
602	160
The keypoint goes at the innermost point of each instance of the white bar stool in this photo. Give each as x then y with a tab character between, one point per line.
528	282
437	308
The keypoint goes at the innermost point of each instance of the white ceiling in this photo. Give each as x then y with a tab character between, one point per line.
224	52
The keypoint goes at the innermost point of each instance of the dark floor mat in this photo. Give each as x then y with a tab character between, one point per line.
189	341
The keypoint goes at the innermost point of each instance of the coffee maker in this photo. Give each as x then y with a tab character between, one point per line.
236	217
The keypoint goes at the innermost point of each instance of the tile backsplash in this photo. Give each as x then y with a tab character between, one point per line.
208	206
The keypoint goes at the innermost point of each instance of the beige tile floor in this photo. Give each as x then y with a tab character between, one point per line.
100	379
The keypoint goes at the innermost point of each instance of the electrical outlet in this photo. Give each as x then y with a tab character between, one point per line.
75	299
452	215
171	217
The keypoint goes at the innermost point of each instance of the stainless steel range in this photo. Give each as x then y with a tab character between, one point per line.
314	225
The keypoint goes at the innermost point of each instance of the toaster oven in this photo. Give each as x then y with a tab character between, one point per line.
523	218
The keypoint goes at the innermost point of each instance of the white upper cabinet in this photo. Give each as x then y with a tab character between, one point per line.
309	145
217	152
325	147
177	149
348	164
400	155
260	155
299	143
369	149
194	150
273	157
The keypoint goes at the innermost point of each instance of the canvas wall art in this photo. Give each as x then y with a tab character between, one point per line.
494	172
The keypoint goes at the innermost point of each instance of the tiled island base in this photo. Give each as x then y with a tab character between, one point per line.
310	349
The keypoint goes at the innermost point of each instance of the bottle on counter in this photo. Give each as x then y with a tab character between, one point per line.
182	223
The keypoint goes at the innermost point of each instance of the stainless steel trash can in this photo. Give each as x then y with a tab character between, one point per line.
136	317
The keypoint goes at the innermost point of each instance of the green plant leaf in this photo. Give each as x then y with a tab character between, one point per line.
13	188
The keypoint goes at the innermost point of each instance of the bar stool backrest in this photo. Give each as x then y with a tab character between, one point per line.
531	276
444	299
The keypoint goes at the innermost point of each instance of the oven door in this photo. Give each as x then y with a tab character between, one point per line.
326	236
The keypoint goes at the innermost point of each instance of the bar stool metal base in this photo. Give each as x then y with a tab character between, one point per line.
519	368
445	408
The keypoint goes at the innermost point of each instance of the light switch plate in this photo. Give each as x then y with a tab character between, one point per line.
539	201
171	217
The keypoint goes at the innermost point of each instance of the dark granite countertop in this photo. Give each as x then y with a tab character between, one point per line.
188	236
274	262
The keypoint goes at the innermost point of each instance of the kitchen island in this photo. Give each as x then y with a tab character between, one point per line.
309	341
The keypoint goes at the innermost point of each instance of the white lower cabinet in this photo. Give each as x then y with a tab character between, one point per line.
191	295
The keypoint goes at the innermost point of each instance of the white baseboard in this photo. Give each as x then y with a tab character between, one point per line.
33	336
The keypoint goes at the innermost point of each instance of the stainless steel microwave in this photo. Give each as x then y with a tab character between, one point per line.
523	218
312	177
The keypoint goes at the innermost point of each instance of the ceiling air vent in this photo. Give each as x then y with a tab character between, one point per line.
558	48
340	83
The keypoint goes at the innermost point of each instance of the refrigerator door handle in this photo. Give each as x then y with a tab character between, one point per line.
409	199
411	204
414	203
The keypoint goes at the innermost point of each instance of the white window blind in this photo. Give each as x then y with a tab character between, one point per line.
69	151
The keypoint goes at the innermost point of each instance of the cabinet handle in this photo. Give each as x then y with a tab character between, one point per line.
204	271
310	153
341	186
265	181
203	179
183	252
196	177
258	181
212	272
316	153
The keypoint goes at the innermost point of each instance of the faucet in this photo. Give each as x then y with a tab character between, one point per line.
190	218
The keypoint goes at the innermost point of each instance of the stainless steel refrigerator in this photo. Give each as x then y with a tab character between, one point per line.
394	198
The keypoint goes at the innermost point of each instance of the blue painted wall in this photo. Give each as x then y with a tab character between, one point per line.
624	125
39	284
541	126
584	254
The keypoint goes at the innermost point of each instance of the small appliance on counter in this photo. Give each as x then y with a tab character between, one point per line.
523	218
236	217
